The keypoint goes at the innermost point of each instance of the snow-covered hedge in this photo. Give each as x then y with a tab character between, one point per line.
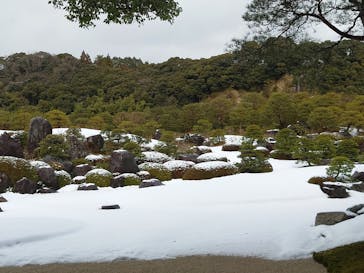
211	169
155	157
178	167
131	179
17	168
63	178
211	157
156	170
99	177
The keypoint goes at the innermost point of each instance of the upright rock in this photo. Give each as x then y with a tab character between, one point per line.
4	182
25	186
39	129
123	161
48	177
95	143
10	146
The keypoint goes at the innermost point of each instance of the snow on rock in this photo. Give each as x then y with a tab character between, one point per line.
211	157
267	215
101	172
175	165
94	157
234	139
39	164
213	165
78	179
63	173
156	157
153	143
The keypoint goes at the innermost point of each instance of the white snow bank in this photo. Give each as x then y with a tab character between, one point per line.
234	139
267	215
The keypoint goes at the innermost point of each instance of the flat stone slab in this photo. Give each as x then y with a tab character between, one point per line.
108	207
331	218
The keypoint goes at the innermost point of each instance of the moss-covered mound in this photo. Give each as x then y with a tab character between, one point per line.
99	177
156	170
208	170
344	259
178	167
17	168
63	178
131	179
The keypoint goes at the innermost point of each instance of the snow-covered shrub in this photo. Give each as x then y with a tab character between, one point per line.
17	168
211	157
253	160
156	170
100	177
155	157
178	167
131	179
340	168
208	170
63	178
54	146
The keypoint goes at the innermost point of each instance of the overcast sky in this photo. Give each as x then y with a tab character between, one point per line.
204	29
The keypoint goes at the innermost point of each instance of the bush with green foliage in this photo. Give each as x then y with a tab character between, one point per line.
254	132
343	259
252	160
286	144
133	147
168	149
131	179
63	178
348	148
100	177
340	168
318	180
207	170
55	146
17	168
156	170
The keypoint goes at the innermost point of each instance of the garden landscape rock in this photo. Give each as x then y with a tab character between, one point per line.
4	182
117	181
150	183
334	191
357	209
10	146
188	157
3	199
39	129
122	161
110	207
87	187
25	186
81	170
331	218
358	176
358	187
48	177
95	143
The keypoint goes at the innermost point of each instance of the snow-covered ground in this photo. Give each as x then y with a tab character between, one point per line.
267	215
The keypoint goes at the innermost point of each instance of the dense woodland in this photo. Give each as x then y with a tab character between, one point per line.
273	83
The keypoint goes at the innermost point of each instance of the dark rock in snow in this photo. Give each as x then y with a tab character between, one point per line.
1	210
122	161
48	177
231	147
3	199
188	157
331	218
25	186
39	129
87	187
334	191
10	146
358	176
355	209
358	187
117	181
95	143
108	207
150	183
81	170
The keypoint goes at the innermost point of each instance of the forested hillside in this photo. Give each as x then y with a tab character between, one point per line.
180	94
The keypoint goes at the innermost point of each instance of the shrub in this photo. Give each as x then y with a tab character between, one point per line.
131	179
340	168
178	167
157	170
211	157
317	180
253	160
168	149
55	146
155	157
17	168
209	170
286	143
63	178
348	148
100	177
133	147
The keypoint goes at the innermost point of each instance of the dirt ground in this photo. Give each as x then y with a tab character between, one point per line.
193	264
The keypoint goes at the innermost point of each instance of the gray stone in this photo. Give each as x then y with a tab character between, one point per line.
144	175
1	210
39	129
4	182
87	187
231	147
95	143
46	190
331	218
150	183
108	207
358	187
81	170
355	209
48	177
358	176
122	161
188	157
117	181
334	191
3	199
10	146
25	186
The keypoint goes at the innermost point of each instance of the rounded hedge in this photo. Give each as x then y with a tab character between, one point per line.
209	170
99	177
63	178
131	179
17	168
156	170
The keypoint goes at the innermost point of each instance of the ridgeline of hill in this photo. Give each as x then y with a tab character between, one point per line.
115	92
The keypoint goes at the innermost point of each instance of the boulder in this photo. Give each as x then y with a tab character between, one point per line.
155	157
123	161
4	182
117	181
334	191
39	129
17	168
209	170
358	187
178	167
156	170
25	186
194	139
95	143
201	150
211	157
358	176
231	147
188	157
357	209
48	177
331	218
87	187
10	146
150	183
108	207
81	170
144	175
3	199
